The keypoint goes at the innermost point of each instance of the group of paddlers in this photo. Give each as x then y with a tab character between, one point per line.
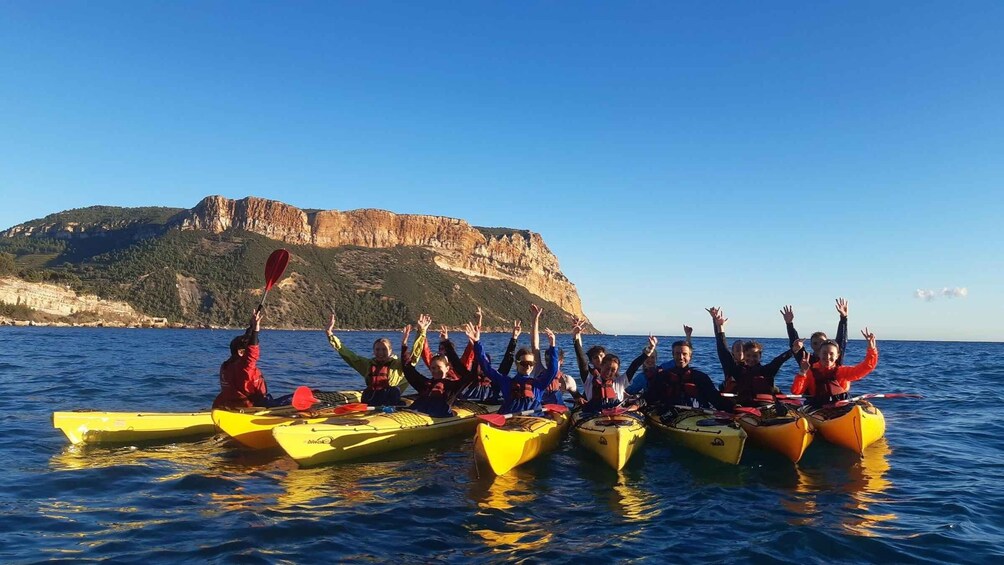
538	379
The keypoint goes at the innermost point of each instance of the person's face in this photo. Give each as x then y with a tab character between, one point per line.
681	355
609	370
525	364
380	351
597	360
649	362
438	369
816	342
751	357
828	355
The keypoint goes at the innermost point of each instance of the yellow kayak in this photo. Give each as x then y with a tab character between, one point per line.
341	439
698	430
615	438
789	435
252	427
86	426
854	426
521	439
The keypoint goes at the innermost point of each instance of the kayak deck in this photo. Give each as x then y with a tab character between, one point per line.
94	427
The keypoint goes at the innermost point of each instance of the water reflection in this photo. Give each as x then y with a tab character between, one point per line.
859	484
631	502
500	529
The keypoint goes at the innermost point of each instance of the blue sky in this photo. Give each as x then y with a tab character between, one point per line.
674	156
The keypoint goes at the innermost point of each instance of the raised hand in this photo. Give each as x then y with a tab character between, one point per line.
473	332
870	337
480	316
718	317
536	310
842	307
788	314
517	328
577	328
797	345
550	336
652	342
424	321
444	334
803	362
331	326
688	331
405	334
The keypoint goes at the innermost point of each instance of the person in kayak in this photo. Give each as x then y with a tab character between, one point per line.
747	378
589	361
384	372
648	361
241	382
825	381
435	395
817	338
606	390
523	391
562	383
682	385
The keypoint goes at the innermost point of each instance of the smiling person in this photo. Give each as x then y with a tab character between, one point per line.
816	339
826	381
384	372
524	391
435	395
680	384
746	377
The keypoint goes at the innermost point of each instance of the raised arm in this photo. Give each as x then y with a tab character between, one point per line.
724	355
646	352
841	338
867	365
689	332
357	362
459	367
544	378
789	323
771	369
510	351
580	355
536	311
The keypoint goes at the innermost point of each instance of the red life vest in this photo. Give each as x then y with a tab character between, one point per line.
604	389
827	387
679	385
379	377
436	388
522	388
555	385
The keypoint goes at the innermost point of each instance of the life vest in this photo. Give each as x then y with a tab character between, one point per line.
522	388
437	388
827	387
603	389
555	385
379	376
671	387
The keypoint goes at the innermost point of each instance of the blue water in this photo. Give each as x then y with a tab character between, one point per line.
931	491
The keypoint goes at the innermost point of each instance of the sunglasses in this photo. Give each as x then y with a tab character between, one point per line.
527	363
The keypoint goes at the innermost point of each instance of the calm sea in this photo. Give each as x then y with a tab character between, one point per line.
931	491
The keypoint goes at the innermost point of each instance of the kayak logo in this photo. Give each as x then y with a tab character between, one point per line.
325	440
603	440
717	442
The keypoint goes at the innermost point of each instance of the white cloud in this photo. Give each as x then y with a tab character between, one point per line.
929	295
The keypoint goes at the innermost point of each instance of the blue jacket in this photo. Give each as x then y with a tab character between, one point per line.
510	403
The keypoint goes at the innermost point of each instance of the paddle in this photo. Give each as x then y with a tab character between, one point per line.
876	395
499	419
274	268
303	398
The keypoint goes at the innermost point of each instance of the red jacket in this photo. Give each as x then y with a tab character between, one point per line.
838	379
241	382
467	359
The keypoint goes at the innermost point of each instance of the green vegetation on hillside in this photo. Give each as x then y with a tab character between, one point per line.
201	278
156	215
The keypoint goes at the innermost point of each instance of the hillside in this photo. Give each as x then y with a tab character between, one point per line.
200	268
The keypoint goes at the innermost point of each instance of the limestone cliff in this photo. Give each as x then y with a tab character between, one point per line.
60	301
521	257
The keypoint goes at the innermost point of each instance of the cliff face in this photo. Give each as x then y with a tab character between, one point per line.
60	301
517	256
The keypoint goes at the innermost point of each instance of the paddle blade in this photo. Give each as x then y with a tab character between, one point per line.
303	398
494	419
275	267
612	411
557	408
349	408
745	410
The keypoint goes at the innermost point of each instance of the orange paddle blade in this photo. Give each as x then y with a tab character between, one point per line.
303	398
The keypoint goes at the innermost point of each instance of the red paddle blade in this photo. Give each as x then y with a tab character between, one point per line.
303	398
559	408
275	267
744	410
348	408
612	411
494	419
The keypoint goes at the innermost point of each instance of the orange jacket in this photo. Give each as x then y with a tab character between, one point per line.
838	379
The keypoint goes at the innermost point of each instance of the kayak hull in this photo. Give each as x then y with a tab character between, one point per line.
342	439
722	440
855	426
614	438
788	435
131	427
252	427
522	438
